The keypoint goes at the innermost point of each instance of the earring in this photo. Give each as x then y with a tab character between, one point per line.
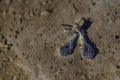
68	47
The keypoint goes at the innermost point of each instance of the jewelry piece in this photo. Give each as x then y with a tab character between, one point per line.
68	47
89	50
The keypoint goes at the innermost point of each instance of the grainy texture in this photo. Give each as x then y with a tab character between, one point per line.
32	30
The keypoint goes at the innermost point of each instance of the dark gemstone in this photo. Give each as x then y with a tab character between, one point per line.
68	47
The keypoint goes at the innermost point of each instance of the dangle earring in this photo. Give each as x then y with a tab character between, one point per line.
69	46
79	30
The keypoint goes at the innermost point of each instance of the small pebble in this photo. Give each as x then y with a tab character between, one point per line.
44	13
14	78
8	1
3	45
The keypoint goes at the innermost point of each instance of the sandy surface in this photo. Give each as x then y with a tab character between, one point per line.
33	33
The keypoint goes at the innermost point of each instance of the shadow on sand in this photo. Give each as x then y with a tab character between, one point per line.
84	27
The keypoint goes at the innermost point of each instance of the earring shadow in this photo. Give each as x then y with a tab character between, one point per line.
84	27
93	46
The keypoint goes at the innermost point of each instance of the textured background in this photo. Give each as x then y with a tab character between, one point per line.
32	30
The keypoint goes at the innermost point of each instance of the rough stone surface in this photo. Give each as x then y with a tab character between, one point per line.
32	30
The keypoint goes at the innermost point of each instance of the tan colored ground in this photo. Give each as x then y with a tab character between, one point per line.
33	29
